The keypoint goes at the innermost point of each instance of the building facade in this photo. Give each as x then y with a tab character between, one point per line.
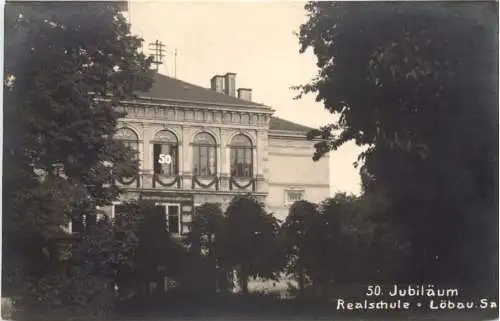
198	145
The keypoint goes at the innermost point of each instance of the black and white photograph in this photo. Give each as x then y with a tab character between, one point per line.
250	160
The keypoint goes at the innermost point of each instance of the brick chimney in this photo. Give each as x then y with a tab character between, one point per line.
217	83
230	84
245	94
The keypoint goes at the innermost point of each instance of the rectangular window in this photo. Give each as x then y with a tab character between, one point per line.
169	216
294	196
174	220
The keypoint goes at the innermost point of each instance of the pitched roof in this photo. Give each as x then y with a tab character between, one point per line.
165	87
277	123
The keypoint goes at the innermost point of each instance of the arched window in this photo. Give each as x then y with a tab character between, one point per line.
165	153
129	138
204	157
241	156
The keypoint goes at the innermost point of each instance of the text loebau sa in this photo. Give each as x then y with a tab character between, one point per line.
405	305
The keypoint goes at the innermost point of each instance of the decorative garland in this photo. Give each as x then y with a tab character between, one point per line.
233	181
156	179
123	181
197	182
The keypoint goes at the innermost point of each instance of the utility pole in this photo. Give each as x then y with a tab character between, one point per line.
157	50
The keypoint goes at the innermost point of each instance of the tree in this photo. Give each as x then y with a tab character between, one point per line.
207	228
82	277
297	230
155	254
67	66
417	85
346	244
250	241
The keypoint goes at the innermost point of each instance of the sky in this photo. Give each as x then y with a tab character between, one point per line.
256	41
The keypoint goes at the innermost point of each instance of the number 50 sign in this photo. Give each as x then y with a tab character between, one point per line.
165	159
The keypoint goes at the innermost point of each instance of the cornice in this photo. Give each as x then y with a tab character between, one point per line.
196	104
298	186
194	124
195	114
293	135
194	191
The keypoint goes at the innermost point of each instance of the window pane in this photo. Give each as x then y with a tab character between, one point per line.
168	168
212	162
239	168
156	158
175	161
248	162
248	156
173	219
196	160
203	161
233	163
165	168
241	162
